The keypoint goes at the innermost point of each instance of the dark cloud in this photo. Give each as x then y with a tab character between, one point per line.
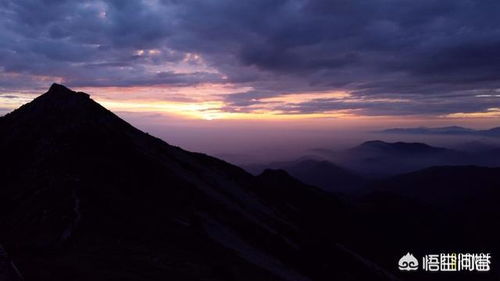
9	97
388	108
423	51
248	98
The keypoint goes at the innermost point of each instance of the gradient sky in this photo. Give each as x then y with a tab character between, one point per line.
276	65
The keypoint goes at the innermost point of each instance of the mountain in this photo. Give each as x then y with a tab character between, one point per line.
457	185
293	198
316	172
448	209
452	130
403	148
476	146
380	159
86	196
309	206
494	132
8	270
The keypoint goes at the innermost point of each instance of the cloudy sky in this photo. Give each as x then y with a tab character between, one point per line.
431	61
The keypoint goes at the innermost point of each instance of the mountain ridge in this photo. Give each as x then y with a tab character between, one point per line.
381	159
399	147
317	172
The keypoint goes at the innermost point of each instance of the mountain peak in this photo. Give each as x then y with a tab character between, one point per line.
60	107
61	90
375	143
55	88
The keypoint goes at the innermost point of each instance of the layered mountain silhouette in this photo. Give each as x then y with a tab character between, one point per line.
382	159
317	172
349	170
86	196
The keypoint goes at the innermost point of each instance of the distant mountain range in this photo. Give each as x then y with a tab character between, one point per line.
349	170
377	147
378	159
452	130
322	173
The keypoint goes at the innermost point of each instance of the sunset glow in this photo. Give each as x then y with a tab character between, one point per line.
269	66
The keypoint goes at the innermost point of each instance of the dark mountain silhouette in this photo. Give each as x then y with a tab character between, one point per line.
403	148
379	159
476	146
86	196
494	132
458	185
308	206
316	172
452	130
292	198
8	270
435	210
482	153
490	157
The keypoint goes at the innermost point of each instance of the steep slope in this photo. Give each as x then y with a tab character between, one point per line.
308	206
86	196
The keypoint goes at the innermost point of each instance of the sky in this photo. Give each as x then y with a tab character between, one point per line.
210	72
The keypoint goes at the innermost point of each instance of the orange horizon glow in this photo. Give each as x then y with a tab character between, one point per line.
206	102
